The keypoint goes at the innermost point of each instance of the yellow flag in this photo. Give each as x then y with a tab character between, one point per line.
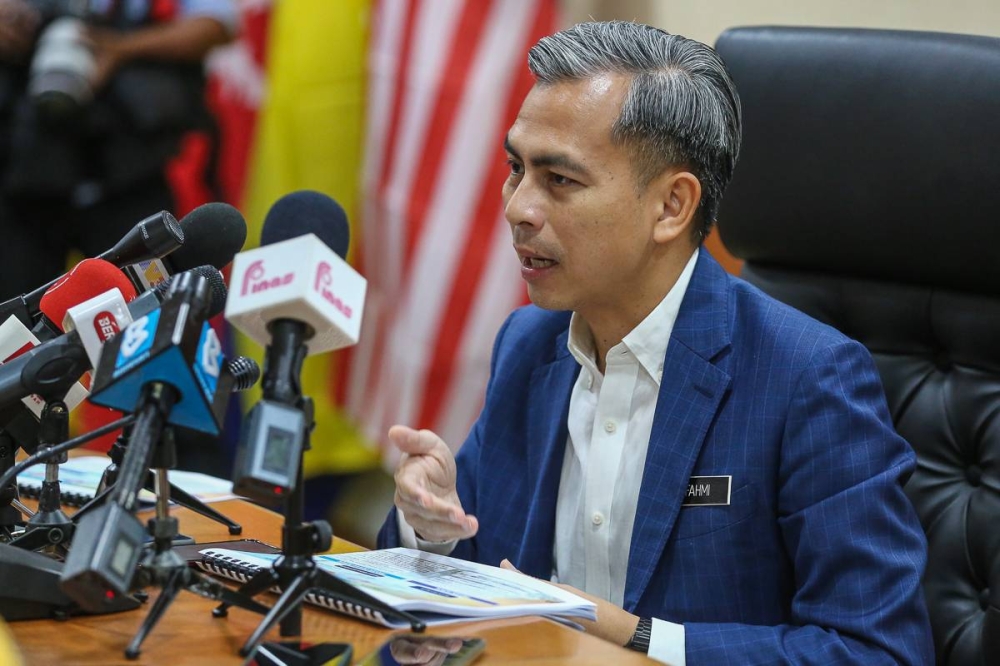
309	136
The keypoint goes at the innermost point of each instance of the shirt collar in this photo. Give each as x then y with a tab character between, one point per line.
647	341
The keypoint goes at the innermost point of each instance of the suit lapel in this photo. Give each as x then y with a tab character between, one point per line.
690	392
549	394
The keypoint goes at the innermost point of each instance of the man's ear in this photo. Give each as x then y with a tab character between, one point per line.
676	196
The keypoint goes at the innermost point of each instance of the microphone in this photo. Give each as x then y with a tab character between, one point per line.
173	345
30	368
101	318
171	360
213	233
297	296
299	274
88	279
153	237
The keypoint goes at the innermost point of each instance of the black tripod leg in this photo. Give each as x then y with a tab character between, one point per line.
190	501
98	500
40	537
170	590
290	599
264	579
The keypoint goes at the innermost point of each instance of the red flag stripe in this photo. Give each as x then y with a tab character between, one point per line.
437	254
387	220
466	157
478	244
451	87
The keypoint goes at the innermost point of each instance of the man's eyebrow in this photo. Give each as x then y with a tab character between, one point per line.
548	160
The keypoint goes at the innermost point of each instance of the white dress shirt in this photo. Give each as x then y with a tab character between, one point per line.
610	419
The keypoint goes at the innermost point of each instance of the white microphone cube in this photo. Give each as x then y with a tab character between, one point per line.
300	279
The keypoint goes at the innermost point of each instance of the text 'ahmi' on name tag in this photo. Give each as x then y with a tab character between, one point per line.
708	491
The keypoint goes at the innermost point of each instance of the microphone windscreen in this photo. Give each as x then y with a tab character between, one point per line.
90	277
304	212
245	372
216	286
213	234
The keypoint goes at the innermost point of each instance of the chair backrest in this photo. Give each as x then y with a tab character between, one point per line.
868	196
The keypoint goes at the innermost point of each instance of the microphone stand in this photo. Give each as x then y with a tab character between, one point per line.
51	378
295	572
11	509
50	527
162	566
178	495
30	582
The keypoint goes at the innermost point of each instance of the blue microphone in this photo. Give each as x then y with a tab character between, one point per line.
173	346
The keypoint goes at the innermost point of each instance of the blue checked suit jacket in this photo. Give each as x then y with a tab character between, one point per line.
818	557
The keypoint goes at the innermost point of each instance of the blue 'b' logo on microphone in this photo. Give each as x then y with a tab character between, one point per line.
208	361
137	339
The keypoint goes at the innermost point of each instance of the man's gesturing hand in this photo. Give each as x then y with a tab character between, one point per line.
425	487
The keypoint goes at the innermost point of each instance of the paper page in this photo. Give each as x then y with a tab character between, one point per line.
82	475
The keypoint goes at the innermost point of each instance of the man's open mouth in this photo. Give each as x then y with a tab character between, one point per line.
537	262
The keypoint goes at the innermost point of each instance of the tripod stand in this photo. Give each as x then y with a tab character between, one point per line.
162	566
11	509
50	527
179	496
295	572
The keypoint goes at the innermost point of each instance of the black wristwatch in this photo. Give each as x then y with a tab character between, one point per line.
640	639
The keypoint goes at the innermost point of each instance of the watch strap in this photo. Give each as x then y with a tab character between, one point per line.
640	639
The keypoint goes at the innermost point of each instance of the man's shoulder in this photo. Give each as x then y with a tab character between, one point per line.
758	315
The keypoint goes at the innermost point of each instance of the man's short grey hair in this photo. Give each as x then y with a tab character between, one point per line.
681	107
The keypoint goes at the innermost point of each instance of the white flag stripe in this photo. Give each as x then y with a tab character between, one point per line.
438	129
434	28
500	291
468	160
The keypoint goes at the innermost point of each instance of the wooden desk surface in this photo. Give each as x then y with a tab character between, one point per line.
188	634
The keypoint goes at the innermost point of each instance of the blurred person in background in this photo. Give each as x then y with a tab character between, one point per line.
93	105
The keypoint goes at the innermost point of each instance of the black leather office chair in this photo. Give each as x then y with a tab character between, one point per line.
868	196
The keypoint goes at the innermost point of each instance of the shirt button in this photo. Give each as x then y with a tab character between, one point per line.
609	427
597	518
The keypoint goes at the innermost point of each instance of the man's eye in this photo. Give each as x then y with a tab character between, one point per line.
561	180
515	167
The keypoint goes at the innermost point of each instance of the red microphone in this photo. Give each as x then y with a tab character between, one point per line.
90	278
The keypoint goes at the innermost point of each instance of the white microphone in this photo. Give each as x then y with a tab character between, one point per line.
300	279
97	320
296	296
16	339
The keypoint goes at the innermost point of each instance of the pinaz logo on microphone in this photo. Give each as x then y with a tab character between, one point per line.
324	280
254	280
301	279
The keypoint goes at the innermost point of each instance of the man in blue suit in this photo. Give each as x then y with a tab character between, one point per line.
716	470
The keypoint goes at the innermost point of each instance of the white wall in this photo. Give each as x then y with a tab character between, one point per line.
704	20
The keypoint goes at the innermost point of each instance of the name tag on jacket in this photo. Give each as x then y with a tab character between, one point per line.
708	491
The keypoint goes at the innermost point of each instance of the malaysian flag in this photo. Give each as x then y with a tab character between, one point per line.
445	81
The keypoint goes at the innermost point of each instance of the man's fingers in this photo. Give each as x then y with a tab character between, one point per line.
439	521
414	442
426	507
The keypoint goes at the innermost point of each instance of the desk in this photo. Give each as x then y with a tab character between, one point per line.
187	634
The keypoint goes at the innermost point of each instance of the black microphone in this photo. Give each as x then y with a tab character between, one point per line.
156	236
153	237
150	300
213	234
